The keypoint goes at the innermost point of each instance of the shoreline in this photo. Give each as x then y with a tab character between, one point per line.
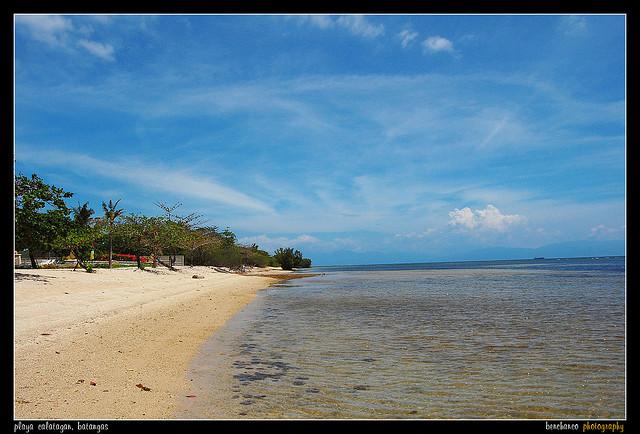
88	346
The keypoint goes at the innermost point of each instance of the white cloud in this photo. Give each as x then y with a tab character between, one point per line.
359	26
604	232
463	217
489	218
269	243
60	32
321	21
102	19
407	37
356	24
104	51
496	129
435	44
416	235
50	29
181	182
573	25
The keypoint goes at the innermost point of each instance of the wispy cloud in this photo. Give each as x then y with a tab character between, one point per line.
104	51
416	235
605	232
321	21
357	25
50	29
407	37
496	129
573	25
360	26
101	19
58	31
417	122
181	182
270	243
437	44
360	126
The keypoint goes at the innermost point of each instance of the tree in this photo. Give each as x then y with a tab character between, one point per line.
41	215
284	257
79	241
134	235
200	237
228	238
290	259
111	213
306	263
299	261
176	230
81	237
167	236
82	214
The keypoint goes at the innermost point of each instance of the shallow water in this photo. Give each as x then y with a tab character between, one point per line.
508	339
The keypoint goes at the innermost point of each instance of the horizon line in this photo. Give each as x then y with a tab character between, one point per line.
469	260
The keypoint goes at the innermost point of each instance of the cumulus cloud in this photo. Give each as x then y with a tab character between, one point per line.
489	218
407	37
436	44
463	217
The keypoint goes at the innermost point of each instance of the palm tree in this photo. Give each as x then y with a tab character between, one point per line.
82	214
110	215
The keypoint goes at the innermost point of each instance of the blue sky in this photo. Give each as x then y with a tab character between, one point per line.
377	138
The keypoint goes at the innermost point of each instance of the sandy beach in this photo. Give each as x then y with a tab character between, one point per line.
115	344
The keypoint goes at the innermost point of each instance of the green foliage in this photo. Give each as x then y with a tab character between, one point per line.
305	263
82	214
290	259
228	238
258	258
41	215
135	235
81	238
115	265
44	224
111	213
284	258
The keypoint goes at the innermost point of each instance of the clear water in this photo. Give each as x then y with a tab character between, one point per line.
505	339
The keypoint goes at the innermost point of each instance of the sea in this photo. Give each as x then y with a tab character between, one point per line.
517	339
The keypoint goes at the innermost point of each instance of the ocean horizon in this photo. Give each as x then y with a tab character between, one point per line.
452	263
513	339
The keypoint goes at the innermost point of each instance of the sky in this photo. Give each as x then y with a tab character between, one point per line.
356	139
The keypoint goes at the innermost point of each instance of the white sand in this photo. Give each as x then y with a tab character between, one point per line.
116	328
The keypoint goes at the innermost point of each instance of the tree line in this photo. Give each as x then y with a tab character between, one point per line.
45	224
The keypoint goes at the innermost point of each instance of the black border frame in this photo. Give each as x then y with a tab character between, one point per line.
371	7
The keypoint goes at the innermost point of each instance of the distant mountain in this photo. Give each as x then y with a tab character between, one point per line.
571	249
